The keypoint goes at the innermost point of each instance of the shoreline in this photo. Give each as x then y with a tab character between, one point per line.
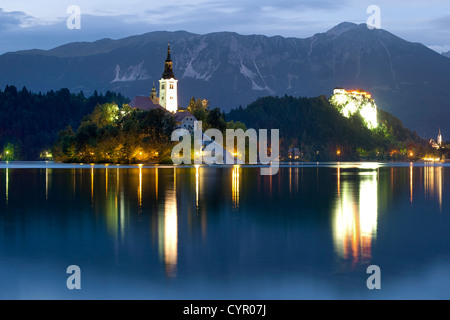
331	164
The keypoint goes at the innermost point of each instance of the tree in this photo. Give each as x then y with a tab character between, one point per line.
215	120
32	121
119	135
10	152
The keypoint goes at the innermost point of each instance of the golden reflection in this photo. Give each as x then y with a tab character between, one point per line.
270	181
440	180
171	230
368	213
106	181
339	180
433	181
411	181
140	186
355	217
235	187
392	179
290	180
156	183
429	180
7	185
46	183
92	184
196	185
117	180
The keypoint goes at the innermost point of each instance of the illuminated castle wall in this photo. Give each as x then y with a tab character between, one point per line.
353	101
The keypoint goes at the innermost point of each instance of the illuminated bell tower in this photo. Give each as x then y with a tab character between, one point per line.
439	138
168	94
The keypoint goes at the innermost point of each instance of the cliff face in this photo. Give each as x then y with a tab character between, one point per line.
406	79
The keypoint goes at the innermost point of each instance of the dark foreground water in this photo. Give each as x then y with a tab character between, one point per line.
224	233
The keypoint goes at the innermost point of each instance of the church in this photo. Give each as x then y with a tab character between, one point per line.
168	97
438	143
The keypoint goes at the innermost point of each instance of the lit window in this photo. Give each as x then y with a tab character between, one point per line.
171	97
171	86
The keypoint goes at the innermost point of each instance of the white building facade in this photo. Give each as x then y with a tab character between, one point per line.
168	91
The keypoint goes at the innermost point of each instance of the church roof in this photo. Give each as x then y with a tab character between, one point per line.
144	103
168	66
180	115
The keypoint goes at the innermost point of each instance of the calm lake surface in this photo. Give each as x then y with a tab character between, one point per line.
308	232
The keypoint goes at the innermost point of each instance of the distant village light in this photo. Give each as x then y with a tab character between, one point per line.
438	143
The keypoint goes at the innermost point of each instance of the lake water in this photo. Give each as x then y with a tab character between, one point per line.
308	232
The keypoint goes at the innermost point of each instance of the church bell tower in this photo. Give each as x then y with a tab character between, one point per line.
439	138
168	94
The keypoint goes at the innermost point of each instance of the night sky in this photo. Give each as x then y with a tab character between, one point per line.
31	24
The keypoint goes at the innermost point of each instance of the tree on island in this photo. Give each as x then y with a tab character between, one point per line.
118	135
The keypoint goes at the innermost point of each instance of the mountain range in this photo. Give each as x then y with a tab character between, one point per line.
406	79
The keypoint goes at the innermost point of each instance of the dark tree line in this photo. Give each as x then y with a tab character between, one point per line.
320	132
30	122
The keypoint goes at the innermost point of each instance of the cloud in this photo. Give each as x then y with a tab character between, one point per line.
322	5
440	48
29	24
14	19
442	22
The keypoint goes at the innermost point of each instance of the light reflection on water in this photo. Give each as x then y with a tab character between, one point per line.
433	181
170	222
355	216
249	225
235	187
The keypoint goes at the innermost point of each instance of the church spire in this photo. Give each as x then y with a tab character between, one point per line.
168	65
168	96
168	53
439	139
153	94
